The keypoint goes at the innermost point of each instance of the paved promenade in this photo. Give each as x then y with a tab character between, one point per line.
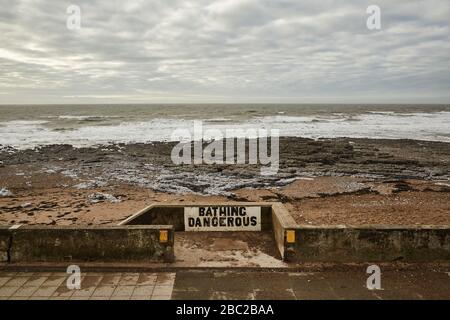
94	286
227	284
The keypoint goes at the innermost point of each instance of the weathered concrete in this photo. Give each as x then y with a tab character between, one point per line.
329	284
325	243
94	286
5	238
222	249
371	243
282	221
137	239
116	243
173	214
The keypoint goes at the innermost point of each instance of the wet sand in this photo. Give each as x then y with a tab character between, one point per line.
328	181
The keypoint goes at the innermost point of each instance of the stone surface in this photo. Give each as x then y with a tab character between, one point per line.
330	284
362	244
40	286
4	243
121	243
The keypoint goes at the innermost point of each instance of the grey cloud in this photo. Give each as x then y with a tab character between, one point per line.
224	51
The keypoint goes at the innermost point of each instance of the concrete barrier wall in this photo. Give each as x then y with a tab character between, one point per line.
173	214
142	242
325	243
158	215
282	221
5	237
116	243
367	244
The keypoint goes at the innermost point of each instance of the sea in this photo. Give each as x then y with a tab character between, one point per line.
30	126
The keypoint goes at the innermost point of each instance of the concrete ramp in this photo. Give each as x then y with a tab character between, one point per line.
227	249
235	244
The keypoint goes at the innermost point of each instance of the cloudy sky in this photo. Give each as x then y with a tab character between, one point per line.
224	51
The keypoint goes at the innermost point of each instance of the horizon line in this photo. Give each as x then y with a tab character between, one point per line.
226	103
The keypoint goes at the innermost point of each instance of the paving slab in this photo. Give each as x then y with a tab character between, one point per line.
35	280
110	279
123	291
44	291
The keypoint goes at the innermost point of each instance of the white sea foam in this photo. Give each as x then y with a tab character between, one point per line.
420	125
5	192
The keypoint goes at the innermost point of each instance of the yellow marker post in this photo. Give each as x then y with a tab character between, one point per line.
163	236
290	236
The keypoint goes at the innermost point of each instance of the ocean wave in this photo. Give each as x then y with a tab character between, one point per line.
82	117
218	120
421	126
382	112
23	122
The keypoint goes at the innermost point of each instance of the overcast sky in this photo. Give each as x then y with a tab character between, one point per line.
224	51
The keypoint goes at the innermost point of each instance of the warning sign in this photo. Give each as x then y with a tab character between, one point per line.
222	218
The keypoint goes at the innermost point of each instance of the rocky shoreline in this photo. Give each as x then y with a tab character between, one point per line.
149	165
62	184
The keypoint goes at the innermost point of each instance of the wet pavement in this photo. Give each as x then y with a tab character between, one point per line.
307	286
94	286
226	284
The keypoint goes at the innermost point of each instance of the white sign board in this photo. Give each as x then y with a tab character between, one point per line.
222	218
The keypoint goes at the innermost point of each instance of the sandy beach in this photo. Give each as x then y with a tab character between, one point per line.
327	181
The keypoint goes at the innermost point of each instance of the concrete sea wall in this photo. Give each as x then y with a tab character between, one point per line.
329	243
115	243
149	236
173	214
371	243
5	238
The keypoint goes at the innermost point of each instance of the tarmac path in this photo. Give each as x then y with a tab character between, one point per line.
226	284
